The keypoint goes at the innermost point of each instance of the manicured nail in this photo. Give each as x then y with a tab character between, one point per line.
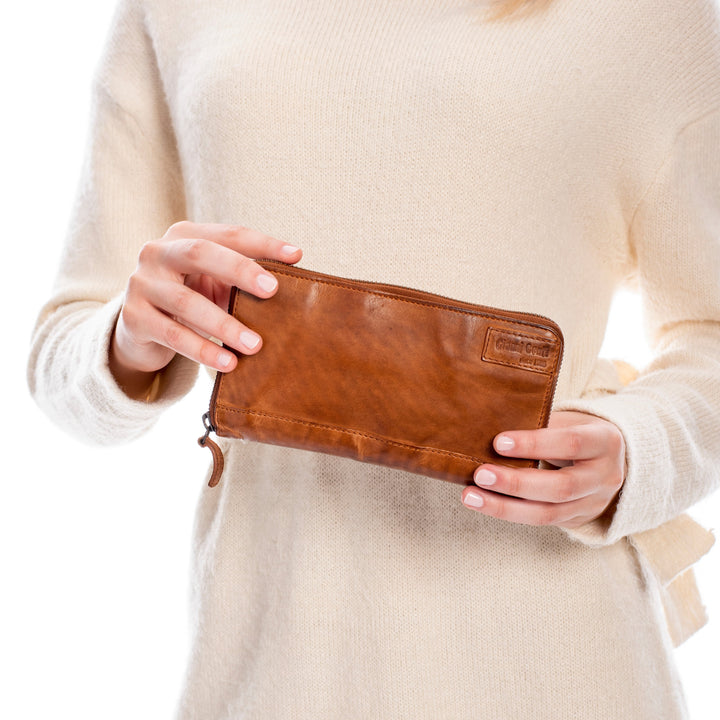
266	282
224	359
504	443
249	340
288	249
473	499
485	477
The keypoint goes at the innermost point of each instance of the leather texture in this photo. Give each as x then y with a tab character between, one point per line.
386	374
218	460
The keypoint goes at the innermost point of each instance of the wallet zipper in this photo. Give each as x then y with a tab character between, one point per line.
204	440
440	299
218	459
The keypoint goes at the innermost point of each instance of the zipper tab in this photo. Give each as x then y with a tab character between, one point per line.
218	459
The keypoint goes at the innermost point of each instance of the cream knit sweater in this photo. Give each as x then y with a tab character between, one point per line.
534	164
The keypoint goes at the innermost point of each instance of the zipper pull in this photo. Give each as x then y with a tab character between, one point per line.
218	459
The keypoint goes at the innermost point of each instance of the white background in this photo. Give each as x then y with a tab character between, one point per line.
95	542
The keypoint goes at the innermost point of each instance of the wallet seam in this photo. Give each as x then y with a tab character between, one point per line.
357	433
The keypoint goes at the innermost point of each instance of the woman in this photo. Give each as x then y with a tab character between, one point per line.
535	162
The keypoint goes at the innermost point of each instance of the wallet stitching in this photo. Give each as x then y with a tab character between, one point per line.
426	303
422	448
548	391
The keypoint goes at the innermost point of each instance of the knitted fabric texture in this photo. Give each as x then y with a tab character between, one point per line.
537	164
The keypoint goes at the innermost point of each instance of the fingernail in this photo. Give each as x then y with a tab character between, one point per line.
249	340
266	282
504	443
473	499
288	249
485	477
224	359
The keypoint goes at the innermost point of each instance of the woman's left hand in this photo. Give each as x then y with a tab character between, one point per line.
589	455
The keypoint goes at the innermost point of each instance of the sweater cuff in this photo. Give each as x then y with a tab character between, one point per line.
646	455
120	417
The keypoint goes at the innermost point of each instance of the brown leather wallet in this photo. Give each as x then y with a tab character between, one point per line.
384	374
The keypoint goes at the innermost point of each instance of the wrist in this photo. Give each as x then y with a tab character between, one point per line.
136	384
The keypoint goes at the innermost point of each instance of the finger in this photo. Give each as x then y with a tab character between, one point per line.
190	256
166	331
246	241
527	512
550	486
579	442
196	311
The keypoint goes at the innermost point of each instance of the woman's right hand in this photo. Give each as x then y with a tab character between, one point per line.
177	298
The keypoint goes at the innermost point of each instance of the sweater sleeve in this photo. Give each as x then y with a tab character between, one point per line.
670	415
130	191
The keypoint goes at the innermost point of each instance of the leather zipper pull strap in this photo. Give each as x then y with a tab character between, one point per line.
218	459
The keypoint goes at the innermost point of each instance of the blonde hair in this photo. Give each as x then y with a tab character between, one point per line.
500	9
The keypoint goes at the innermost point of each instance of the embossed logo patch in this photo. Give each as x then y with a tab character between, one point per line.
529	352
